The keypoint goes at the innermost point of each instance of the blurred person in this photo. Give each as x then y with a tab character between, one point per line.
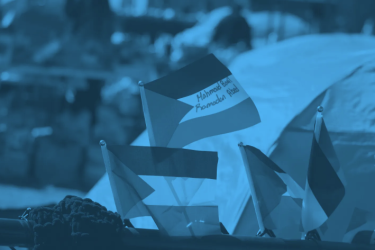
89	100
78	120
233	30
90	18
92	25
368	27
223	31
231	36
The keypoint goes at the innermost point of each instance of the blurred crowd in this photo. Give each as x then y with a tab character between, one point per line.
69	68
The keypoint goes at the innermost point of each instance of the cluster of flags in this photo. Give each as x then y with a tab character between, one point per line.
177	186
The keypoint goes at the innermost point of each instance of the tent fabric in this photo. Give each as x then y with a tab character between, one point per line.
282	79
349	113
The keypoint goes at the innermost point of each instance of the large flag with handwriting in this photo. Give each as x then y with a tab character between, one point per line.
200	100
278	195
325	188
176	187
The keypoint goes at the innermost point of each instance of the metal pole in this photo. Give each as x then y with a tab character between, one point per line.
20	233
16	233
252	188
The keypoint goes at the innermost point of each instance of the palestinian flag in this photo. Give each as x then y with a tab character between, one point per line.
272	193
325	180
176	187
200	100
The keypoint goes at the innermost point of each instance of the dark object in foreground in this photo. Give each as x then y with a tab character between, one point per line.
77	223
16	233
19	233
268	232
364	237
313	235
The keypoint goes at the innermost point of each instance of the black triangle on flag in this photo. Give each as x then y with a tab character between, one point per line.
323	180
223	229
127	223
162	109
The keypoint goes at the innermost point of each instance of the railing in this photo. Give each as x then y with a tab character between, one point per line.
19	233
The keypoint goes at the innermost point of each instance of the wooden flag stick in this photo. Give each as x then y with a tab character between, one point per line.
153	142
262	229
146	114
314	234
168	180
107	164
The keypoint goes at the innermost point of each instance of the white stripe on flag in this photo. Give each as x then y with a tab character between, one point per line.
342	177
313	215
144	222
293	189
218	97
190	191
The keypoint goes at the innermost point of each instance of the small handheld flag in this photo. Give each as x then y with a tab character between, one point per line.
268	185
200	100
262	229
176	187
325	181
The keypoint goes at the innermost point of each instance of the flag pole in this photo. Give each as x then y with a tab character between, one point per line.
153	142
314	234
318	123
116	196
262	230
103	146
107	164
146	114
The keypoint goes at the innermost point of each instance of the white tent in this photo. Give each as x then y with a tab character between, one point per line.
282	79
350	118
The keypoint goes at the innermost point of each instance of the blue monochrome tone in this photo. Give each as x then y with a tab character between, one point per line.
187	125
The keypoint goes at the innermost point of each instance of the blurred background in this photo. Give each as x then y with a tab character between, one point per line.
69	71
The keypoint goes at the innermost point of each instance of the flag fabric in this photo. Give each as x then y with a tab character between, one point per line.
278	210
361	221
325	180
200	100
176	187
359	218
